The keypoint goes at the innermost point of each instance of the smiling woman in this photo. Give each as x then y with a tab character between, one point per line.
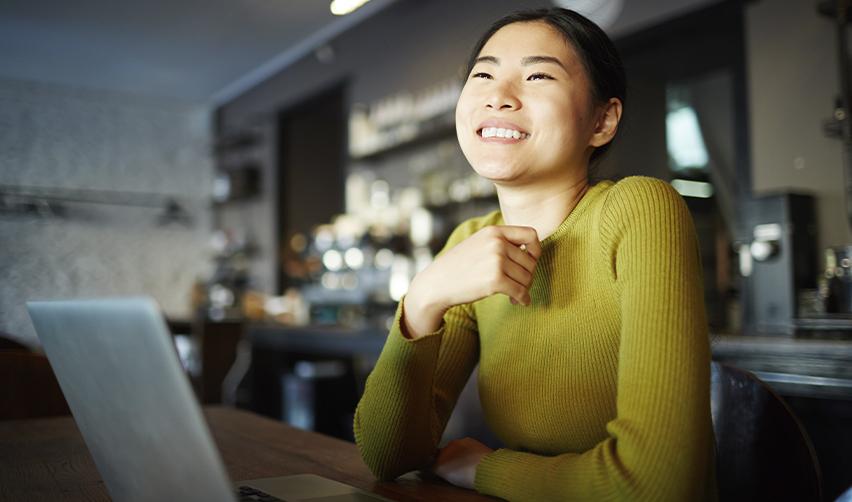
581	304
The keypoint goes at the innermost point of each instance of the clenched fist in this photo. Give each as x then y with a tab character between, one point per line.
496	259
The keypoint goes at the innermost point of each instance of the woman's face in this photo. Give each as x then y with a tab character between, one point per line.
528	81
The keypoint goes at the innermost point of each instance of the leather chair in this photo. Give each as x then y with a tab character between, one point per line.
28	387
762	450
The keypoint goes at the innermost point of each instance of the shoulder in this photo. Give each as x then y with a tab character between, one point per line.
643	187
469	227
642	197
648	208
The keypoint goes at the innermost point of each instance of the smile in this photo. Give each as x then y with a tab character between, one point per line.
499	132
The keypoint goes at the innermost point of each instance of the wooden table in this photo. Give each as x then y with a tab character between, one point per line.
47	459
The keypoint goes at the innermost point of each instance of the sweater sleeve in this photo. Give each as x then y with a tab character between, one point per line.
411	392
660	443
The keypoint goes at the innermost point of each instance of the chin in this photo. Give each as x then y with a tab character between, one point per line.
496	171
493	165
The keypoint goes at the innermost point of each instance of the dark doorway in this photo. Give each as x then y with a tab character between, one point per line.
311	169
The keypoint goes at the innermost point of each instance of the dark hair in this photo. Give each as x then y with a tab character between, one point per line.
596	51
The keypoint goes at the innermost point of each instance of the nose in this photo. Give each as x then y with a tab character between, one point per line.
503	97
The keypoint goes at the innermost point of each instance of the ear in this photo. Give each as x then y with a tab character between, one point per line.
609	115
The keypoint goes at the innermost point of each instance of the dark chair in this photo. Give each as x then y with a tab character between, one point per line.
7	343
28	387
762	451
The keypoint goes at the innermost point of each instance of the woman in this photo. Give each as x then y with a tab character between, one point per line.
581	304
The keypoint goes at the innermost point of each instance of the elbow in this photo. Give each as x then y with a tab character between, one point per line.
660	477
378	455
383	471
388	464
382	465
390	451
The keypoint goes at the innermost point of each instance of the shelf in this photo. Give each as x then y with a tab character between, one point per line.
51	201
826	322
236	141
439	127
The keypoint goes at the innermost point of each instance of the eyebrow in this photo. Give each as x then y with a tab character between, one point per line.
529	60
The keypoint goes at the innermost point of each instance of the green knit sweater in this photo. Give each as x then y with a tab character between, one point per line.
600	389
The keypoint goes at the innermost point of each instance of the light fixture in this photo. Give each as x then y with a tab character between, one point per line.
333	260
343	7
689	188
603	12
684	140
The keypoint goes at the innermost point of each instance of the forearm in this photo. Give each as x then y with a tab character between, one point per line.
429	354
411	393
393	419
611	471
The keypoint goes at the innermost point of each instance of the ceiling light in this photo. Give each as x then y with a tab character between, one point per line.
343	7
603	12
689	188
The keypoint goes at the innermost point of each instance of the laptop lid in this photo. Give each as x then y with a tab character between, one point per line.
118	368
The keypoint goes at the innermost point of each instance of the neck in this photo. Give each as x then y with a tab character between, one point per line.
542	207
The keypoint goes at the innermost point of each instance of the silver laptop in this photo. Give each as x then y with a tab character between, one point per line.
120	373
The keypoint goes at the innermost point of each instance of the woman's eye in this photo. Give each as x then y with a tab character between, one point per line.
481	74
539	76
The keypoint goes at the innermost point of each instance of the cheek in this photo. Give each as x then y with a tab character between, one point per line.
463	118
464	104
568	119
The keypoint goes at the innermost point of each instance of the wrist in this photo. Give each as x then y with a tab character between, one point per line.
422	315
419	299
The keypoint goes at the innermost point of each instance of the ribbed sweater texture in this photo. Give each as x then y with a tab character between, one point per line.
600	389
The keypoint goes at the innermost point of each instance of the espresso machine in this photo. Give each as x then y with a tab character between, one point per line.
778	259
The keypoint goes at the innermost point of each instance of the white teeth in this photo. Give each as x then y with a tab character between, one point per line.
499	132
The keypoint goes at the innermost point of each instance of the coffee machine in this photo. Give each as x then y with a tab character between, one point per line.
778	259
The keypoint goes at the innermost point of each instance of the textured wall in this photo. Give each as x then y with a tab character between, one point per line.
793	81
59	137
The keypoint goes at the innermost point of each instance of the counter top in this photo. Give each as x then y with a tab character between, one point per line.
806	367
330	340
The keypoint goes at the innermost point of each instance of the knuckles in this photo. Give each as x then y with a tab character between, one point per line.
495	245
490	231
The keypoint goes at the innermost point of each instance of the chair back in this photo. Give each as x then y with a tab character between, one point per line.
762	451
28	387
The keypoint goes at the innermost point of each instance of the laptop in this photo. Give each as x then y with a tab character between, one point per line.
119	370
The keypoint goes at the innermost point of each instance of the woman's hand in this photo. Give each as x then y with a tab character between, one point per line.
457	462
496	259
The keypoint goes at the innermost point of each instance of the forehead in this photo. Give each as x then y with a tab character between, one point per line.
531	38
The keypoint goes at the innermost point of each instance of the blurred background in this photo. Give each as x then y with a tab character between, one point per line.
274	173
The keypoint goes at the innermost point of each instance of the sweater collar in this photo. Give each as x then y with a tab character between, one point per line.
591	194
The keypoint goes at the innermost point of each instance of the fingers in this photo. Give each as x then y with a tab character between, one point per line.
458	460
508	278
520	280
518	236
516	249
521	257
